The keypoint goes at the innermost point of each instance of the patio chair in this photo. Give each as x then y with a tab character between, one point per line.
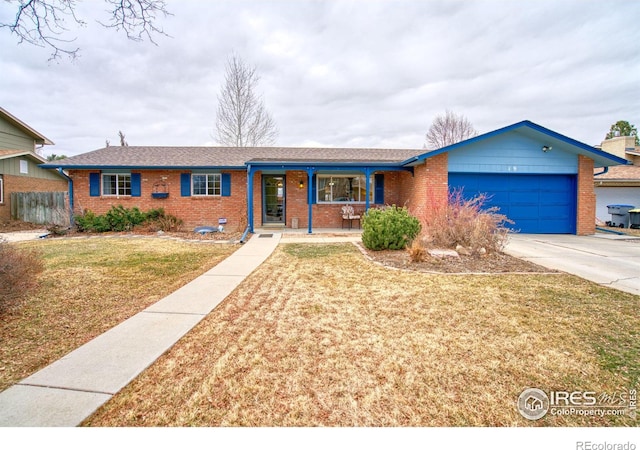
349	215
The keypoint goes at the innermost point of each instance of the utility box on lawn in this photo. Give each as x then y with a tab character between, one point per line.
619	215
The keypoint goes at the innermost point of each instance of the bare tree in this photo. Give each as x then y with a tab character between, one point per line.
449	129
123	142
242	119
44	22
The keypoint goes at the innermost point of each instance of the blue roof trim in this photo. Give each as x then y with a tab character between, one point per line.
325	165
525	123
116	167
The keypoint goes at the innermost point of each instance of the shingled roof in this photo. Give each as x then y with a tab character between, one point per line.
225	157
619	176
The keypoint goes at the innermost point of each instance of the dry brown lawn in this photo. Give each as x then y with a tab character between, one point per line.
89	286
321	336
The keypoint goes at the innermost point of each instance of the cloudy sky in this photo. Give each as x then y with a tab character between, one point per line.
335	73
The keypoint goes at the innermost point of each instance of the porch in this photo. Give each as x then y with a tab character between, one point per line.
301	199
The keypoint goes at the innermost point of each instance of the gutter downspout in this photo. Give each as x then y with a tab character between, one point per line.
604	170
71	202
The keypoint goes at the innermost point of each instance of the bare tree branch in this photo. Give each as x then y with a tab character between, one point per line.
137	18
242	119
46	23
449	129
43	23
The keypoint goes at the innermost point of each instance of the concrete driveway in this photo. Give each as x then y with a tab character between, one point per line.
606	259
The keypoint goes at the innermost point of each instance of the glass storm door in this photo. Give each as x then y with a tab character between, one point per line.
273	195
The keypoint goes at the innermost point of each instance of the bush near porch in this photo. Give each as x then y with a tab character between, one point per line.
389	228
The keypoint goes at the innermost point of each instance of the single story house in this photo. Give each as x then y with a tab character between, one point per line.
540	179
20	169
618	185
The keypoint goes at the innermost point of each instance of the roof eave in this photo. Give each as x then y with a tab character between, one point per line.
600	157
32	155
37	136
135	167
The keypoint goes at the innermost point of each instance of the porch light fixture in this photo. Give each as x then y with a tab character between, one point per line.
301	184
546	148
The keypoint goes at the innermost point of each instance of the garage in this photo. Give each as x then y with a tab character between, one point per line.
536	203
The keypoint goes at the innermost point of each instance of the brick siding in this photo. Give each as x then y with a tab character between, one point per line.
427	189
194	210
586	214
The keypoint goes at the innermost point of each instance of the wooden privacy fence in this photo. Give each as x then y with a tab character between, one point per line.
40	207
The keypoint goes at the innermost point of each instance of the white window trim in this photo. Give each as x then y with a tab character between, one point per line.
206	194
117	175
1	189
344	202
24	166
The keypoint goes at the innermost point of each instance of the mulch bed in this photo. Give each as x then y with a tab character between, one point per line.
178	235
16	225
489	263
8	226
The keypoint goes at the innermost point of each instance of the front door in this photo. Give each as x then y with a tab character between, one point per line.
273	203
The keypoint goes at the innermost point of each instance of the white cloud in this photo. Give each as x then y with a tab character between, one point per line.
337	73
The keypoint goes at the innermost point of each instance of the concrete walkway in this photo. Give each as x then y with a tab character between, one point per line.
606	259
19	236
72	388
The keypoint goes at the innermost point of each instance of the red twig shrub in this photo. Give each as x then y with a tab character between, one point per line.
19	269
466	222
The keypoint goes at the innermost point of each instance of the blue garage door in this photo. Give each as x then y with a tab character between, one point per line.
536	203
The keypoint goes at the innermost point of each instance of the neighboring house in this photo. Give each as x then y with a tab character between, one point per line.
20	169
618	185
540	179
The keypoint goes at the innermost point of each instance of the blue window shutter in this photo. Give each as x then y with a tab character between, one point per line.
136	187
94	184
378	194
226	184
185	184
313	187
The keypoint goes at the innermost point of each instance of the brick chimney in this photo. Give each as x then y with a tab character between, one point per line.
620	145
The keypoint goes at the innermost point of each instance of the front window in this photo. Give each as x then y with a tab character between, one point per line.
116	184
344	189
207	184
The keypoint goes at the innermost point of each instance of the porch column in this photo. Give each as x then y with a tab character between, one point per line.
310	197
250	198
367	176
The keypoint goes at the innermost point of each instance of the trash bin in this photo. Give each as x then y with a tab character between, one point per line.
619	215
634	218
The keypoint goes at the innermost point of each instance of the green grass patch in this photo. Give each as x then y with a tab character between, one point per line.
312	251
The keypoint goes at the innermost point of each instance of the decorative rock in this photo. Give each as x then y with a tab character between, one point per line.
462	250
444	253
482	251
